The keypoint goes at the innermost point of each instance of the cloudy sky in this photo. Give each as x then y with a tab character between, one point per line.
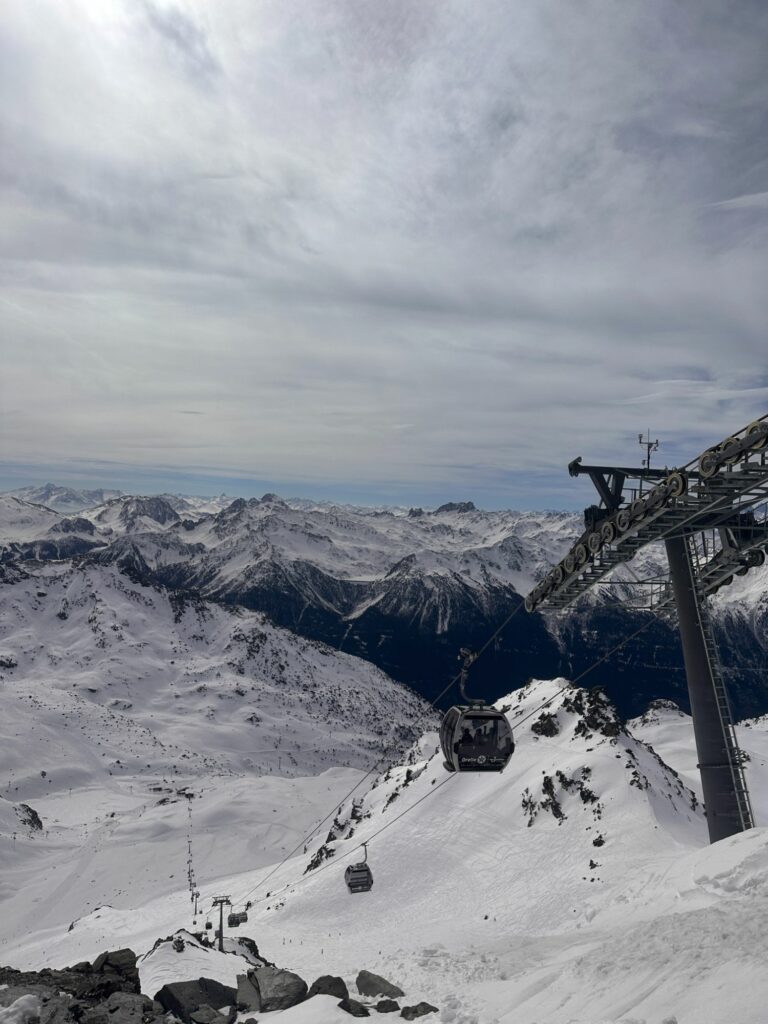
378	250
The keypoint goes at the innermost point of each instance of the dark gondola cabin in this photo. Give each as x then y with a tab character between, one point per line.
476	739
358	878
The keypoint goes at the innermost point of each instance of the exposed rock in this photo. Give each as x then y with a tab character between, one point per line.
328	985
183	998
207	1015
354	1008
419	1010
546	725
369	984
387	1005
457	506
24	1010
247	994
274	989
28	816
114	971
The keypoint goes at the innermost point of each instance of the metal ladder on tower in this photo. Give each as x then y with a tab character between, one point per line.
732	751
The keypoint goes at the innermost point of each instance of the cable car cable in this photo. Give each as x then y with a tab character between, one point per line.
308	836
402	814
573	682
335	861
452	683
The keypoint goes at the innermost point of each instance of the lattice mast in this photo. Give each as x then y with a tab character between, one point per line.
715	494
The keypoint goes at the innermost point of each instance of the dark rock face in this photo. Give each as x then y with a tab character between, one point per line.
387	1005
270	988
105	992
183	998
28	816
207	1015
419	1010
328	985
354	1008
111	972
369	984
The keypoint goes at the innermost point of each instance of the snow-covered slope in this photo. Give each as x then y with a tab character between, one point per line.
22	521
115	699
670	732
34	531
63	499
575	887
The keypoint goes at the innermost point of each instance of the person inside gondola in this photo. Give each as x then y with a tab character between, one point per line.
466	738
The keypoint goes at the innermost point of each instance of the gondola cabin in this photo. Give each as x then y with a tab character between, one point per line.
358	877
476	739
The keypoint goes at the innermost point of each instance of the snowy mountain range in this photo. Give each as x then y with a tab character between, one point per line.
145	706
406	590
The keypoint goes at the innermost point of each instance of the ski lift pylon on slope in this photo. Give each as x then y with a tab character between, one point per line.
359	877
473	736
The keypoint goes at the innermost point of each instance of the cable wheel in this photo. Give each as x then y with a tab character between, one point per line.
530	604
581	554
569	562
757	435
675	485
709	463
742	570
726	582
594	542
734	457
638	509
608	532
655	497
558	573
755	558
623	520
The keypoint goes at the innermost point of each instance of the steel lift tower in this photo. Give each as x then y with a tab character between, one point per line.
704	513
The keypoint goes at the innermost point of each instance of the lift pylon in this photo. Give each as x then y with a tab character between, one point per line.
716	493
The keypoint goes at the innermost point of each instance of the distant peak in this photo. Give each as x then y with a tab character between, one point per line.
273	499
457	506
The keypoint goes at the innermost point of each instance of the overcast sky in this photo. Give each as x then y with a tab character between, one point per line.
378	250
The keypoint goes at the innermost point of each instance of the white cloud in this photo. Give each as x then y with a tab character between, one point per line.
494	224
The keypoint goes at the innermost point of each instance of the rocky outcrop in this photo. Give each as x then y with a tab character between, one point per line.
184	998
105	992
328	985
369	984
270	988
111	972
419	1010
354	1008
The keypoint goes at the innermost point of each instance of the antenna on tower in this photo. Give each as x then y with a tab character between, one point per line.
649	445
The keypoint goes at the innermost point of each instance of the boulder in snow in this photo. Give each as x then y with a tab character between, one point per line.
354	1008
369	984
273	988
183	998
207	1015
328	985
419	1010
